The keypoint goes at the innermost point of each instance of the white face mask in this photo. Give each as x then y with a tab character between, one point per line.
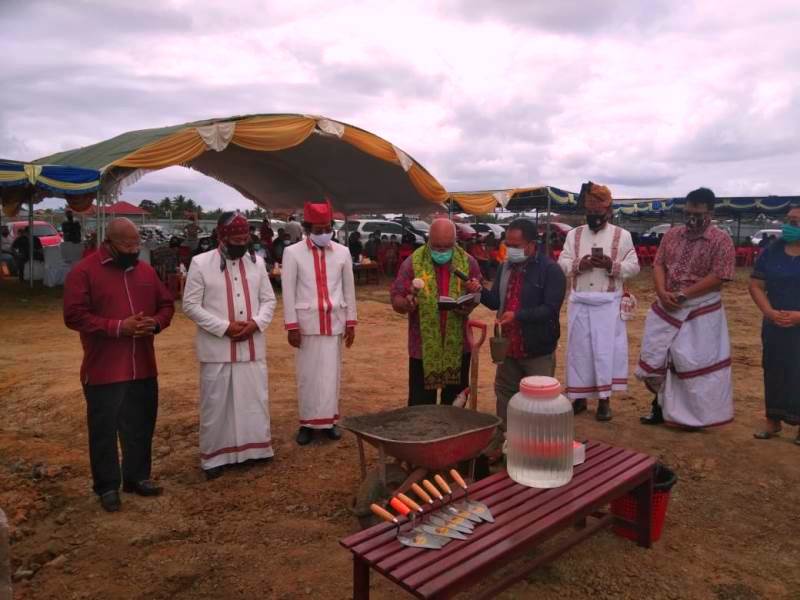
321	239
515	255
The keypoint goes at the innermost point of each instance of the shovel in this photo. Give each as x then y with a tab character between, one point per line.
460	510
417	539
478	508
474	347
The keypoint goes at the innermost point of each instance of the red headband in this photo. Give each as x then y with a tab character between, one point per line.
238	225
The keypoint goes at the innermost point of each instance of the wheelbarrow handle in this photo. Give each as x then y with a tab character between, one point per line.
471	338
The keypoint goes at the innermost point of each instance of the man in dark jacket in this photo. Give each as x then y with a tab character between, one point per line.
527	295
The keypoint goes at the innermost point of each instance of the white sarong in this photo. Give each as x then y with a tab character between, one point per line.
691	349
597	345
319	367
234	413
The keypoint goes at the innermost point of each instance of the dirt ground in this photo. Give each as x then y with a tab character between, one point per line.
272	531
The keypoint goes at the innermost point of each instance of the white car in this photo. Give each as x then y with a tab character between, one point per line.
367	226
755	239
485	229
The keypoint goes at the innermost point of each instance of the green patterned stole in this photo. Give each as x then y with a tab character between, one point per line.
441	358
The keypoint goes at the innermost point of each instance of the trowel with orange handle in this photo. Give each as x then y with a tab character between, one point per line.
446	514
478	508
416	538
450	521
459	510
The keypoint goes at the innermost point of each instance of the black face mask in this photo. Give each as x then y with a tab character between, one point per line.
126	260
233	251
697	223
596	222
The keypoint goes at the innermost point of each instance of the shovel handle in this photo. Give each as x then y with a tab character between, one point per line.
382	513
396	504
432	489
471	340
458	479
423	495
442	484
409	502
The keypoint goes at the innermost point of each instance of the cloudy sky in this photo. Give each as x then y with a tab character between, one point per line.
654	97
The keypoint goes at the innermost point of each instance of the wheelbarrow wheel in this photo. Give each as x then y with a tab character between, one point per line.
372	491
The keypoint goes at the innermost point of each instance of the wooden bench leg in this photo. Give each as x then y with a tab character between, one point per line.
360	579
644	501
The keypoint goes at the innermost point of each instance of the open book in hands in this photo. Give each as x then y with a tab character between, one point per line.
448	303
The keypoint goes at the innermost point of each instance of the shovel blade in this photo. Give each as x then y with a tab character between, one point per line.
477	508
443	522
444	531
465	514
417	539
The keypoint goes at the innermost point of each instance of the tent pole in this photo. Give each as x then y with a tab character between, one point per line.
738	229
30	239
547	229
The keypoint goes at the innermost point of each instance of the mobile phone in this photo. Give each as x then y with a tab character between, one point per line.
597	253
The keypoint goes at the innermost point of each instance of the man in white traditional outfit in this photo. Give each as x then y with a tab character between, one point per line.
686	352
319	308
597	257
229	296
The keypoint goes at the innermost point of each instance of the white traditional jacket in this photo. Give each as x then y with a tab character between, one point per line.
616	243
319	294
214	297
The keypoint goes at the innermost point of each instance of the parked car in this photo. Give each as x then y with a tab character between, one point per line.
484	229
465	232
47	234
367	226
755	239
417	226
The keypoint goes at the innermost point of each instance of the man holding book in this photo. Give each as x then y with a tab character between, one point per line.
432	287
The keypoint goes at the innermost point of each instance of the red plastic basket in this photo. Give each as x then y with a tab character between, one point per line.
627	506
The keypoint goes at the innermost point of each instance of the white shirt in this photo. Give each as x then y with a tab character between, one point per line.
615	242
319	294
213	298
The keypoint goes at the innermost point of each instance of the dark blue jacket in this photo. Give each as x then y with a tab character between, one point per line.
543	289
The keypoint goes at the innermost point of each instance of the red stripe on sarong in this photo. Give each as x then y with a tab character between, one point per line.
705	370
704	310
325	293
320	298
319	421
649	369
657	308
230	449
231	315
619	381
246	289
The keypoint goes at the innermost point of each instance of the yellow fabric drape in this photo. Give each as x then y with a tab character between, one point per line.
268	134
426	185
175	149
371	144
476	204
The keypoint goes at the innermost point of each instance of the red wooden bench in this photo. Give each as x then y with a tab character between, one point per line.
524	518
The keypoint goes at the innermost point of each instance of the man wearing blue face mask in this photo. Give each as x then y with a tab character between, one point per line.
527	294
437	346
319	309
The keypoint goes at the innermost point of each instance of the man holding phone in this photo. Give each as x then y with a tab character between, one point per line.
597	257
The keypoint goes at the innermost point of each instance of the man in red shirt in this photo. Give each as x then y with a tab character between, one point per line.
118	304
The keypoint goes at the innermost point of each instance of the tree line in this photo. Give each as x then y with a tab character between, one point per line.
180	207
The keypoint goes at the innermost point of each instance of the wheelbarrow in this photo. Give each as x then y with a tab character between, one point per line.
453	435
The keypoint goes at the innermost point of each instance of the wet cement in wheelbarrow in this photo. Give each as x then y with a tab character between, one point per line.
419	423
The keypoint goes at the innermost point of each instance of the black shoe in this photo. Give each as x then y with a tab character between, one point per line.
578	406
214	472
603	411
333	433
142	488
654	418
304	436
110	501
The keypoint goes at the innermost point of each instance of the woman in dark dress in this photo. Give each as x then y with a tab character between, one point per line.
775	288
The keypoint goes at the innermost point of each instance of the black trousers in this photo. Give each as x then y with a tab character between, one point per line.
127	409
417	394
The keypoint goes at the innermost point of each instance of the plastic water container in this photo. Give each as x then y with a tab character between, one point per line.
540	434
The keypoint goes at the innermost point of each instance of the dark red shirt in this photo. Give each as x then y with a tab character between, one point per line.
513	331
688	259
98	296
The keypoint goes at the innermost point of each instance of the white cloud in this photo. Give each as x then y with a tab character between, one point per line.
653	98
